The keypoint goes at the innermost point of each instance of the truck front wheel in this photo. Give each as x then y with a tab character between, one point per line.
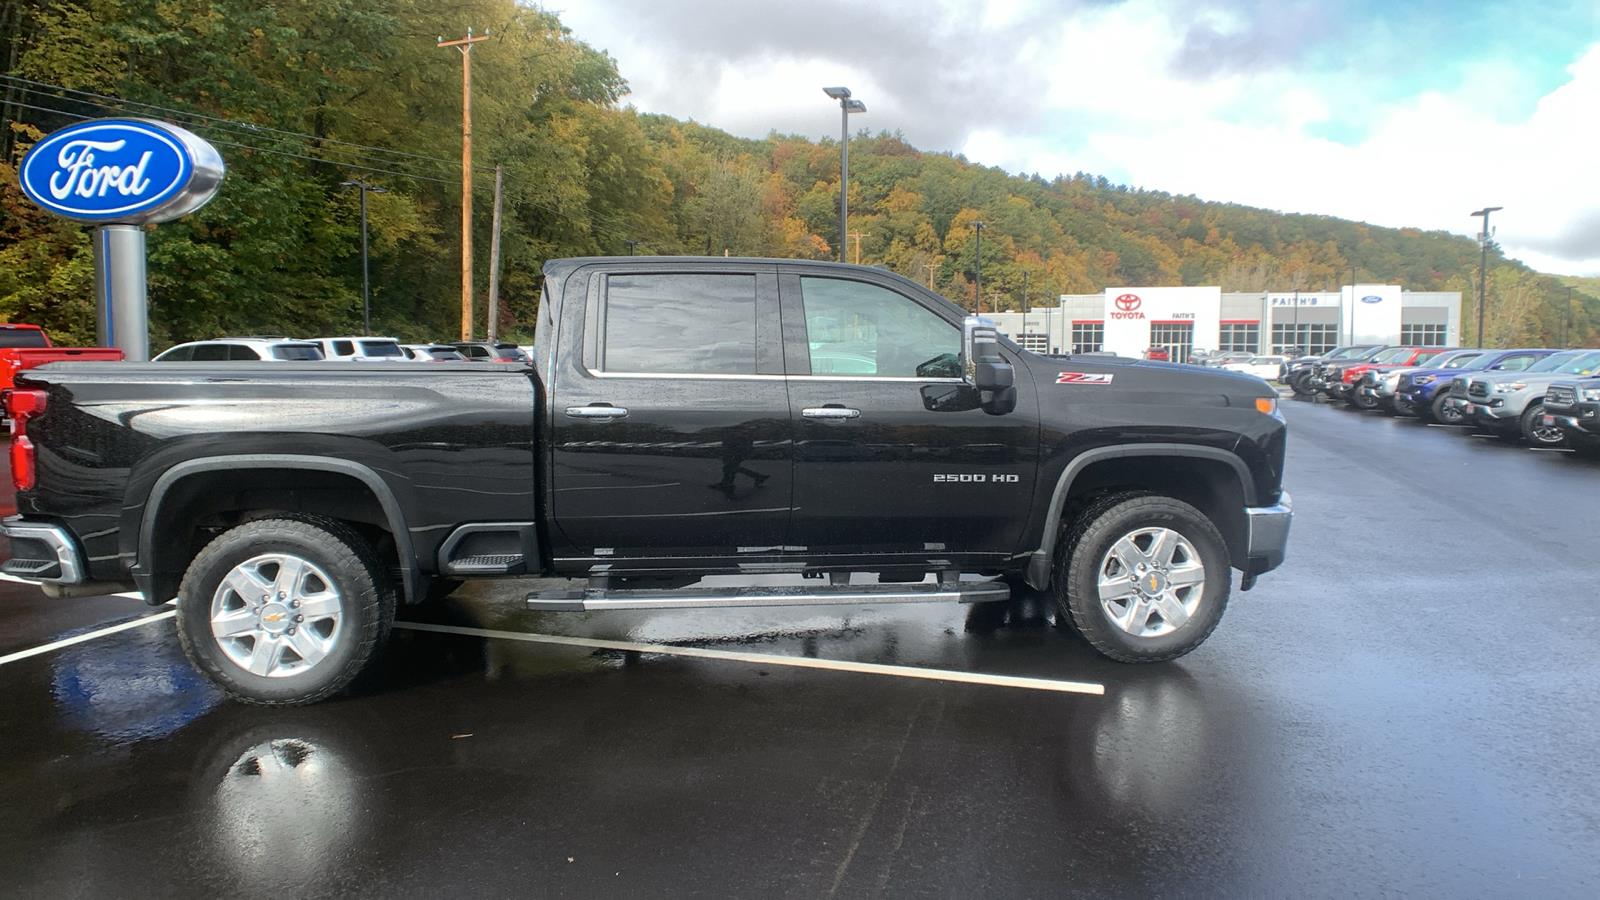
1143	577
284	611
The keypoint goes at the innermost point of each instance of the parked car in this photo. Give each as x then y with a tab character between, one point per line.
1222	359
1574	407
1379	386
1298	370
361	349
289	538
253	349
1423	392
1262	367
483	351
24	346
431	352
1158	354
1510	405
1333	379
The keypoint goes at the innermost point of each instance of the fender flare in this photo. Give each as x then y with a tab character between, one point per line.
392	512
1038	571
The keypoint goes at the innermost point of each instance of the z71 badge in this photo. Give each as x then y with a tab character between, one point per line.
1085	378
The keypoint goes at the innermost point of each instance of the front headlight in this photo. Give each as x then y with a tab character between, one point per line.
1509	387
1422	379
1591	395
1392	382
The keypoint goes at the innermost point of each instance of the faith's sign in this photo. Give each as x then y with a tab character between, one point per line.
121	171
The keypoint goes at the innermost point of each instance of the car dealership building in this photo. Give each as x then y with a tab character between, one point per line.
1130	320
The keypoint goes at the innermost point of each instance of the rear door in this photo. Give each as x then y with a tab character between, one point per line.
671	427
892	453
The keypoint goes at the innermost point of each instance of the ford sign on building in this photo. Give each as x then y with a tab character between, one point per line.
126	171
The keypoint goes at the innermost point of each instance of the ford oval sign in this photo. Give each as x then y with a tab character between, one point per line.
1372	298
127	171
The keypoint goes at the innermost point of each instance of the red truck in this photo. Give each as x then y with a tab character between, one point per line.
27	346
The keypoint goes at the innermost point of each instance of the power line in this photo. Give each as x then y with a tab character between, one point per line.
207	127
224	122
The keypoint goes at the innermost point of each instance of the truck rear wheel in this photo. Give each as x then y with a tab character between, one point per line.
1144	578
284	611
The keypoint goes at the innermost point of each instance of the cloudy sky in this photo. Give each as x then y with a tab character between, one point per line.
1396	112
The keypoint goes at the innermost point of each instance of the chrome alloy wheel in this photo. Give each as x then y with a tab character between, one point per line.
1151	582
276	615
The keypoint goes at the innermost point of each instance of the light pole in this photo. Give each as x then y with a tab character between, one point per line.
846	107
977	268
633	245
366	278
1483	264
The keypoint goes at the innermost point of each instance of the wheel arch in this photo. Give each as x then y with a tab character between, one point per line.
375	504
1215	481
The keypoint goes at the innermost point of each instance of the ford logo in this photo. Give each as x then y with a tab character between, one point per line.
1372	298
130	171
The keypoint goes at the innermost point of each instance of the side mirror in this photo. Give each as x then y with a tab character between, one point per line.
985	368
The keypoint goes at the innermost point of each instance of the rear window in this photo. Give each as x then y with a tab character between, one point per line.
382	348
444	353
296	352
685	324
22	337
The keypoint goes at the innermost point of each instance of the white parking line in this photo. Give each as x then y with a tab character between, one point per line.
798	662
86	636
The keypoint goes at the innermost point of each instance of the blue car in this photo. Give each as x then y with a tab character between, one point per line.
1419	391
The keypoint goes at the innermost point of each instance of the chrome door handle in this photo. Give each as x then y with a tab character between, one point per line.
596	412
830	412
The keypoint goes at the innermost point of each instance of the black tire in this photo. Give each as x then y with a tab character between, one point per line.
1297	383
1531	428
1091	537
1361	401
1438	413
366	603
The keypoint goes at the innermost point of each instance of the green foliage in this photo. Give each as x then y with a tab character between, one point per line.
324	81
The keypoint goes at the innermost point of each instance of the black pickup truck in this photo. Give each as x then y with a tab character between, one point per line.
682	417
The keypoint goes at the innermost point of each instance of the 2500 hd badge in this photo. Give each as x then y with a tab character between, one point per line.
976	478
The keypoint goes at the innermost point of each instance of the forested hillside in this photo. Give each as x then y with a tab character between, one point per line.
302	97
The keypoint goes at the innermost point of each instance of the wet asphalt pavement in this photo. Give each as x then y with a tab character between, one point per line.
1408	706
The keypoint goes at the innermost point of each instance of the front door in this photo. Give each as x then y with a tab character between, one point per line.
892	453
672	426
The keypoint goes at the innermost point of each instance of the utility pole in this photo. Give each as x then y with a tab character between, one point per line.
494	260
1566	321
633	244
366	276
1024	299
465	46
856	236
1483	264
977	268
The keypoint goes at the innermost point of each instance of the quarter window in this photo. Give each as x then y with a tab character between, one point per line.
682	324
856	328
343	348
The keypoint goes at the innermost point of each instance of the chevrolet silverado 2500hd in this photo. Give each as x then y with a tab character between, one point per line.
680	418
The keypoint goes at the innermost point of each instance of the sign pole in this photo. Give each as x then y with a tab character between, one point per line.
119	291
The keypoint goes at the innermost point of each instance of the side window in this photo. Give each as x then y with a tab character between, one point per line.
241	353
1515	363
344	348
856	328
682	324
210	352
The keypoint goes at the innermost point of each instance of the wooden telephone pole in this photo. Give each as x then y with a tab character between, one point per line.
465	46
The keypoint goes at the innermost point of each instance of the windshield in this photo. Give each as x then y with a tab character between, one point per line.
1466	361
22	337
1393	354
443	353
1555	361
1587	364
1425	356
382	348
296	351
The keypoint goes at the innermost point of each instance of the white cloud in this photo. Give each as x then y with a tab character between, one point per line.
1105	89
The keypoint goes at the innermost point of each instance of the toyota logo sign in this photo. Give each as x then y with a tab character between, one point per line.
1128	302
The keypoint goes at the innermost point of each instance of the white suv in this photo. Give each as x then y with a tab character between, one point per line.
244	349
361	349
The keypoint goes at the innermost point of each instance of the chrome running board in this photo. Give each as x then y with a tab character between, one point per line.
594	599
